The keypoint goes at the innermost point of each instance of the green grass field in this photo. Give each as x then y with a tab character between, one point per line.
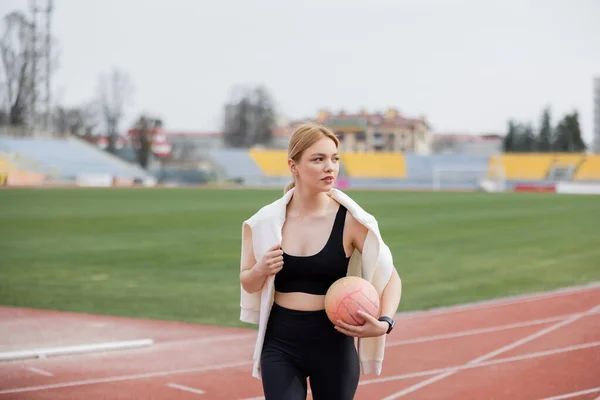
174	253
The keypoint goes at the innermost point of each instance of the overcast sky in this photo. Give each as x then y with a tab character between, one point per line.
467	65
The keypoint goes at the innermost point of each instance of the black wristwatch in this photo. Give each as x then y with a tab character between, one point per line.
390	321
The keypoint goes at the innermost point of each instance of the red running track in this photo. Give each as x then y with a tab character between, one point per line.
542	346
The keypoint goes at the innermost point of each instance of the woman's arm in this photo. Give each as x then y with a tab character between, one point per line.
254	274
390	297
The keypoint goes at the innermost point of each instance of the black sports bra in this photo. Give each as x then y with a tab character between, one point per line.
315	274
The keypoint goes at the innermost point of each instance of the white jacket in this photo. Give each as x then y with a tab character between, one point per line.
375	264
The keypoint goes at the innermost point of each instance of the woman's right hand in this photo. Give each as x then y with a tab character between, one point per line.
272	261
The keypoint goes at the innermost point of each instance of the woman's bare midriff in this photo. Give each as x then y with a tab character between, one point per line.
300	301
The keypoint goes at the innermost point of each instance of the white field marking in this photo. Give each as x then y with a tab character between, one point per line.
523	298
185	388
501	301
473	366
212	339
479	331
39	371
242	364
574	394
494	353
521	357
76	349
233	365
389	344
125	378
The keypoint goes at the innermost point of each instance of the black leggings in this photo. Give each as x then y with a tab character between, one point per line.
304	344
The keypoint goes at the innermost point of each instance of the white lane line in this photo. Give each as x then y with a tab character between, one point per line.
242	364
478	331
389	343
185	388
212	339
521	357
535	335
480	305
125	377
39	371
419	374
490	303
75	349
494	353
574	394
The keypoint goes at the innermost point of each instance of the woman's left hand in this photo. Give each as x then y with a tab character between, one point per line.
371	328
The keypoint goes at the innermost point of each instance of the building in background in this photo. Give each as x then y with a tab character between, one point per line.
186	143
389	131
460	143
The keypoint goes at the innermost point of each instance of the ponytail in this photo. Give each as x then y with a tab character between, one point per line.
289	186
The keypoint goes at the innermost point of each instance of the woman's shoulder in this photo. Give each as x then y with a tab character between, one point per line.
267	212
357	211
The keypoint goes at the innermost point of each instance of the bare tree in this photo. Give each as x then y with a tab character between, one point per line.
16	50
79	121
143	143
249	118
28	60
143	137
116	92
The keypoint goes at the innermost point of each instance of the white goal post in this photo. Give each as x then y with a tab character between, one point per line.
488	178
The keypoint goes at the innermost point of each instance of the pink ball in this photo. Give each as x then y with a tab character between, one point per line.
348	295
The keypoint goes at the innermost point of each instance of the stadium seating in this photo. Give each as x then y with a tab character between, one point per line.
272	163
589	169
423	167
397	170
235	163
374	165
523	166
6	166
535	166
567	160
68	158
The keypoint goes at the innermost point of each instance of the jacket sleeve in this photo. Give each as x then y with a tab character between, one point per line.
377	266
249	302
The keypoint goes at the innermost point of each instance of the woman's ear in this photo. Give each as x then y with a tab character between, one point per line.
292	166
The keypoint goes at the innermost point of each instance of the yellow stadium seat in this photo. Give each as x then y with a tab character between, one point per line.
589	169
534	166
567	160
271	162
374	165
523	166
6	166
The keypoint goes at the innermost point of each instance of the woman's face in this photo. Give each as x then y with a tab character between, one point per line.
318	167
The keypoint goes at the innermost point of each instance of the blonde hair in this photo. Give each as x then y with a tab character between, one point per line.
304	136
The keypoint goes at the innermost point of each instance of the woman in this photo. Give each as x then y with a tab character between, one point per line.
292	251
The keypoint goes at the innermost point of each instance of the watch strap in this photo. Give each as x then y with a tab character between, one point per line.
389	321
